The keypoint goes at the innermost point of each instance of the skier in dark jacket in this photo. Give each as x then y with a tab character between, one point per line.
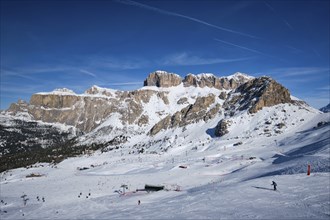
274	184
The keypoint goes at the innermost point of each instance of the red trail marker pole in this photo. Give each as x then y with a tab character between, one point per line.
308	169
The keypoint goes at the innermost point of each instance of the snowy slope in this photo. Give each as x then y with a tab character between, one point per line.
325	109
220	181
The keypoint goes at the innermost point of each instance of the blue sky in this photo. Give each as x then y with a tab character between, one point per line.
117	43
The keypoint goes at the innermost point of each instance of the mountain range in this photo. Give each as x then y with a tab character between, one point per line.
211	145
106	119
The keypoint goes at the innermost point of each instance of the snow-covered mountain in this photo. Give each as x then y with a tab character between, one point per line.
167	104
325	109
214	144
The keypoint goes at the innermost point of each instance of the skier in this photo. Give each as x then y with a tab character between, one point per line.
274	184
139	202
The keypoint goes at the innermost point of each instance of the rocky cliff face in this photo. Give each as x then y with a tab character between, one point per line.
89	110
253	96
193	113
222	127
210	80
256	94
162	79
165	80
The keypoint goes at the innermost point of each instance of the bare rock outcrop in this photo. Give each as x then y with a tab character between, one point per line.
162	79
183	100
222	127
95	90
223	96
212	81
90	109
191	114
54	100
256	94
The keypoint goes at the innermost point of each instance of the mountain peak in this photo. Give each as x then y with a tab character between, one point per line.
210	80
256	94
59	91
239	76
325	109
161	78
96	90
205	75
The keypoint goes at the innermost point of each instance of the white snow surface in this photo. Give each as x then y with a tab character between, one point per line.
237	75
220	181
60	91
160	72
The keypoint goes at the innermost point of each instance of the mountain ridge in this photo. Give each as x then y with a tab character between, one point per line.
167	105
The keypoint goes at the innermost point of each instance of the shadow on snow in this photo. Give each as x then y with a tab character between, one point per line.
305	150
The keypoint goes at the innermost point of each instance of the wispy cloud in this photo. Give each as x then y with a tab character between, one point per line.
296	79
44	69
315	52
87	73
324	88
14	89
317	102
294	49
299	71
239	46
115	63
278	15
183	59
27	71
161	11
14	73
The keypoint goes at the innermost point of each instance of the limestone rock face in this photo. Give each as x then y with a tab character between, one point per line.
54	100
222	127
20	106
210	80
89	110
82	112
94	90
256	94
183	100
162	79
191	114
223	96
143	120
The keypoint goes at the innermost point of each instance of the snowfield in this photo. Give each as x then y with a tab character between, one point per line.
217	180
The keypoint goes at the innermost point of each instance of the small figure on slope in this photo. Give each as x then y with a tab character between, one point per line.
274	184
